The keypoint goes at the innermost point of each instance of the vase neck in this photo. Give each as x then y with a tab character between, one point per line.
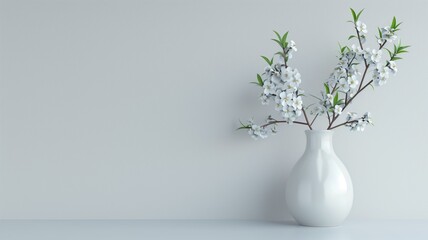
319	140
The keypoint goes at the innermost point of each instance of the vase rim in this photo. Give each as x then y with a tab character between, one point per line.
319	132
326	131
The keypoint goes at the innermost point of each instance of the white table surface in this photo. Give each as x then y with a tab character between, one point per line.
207	229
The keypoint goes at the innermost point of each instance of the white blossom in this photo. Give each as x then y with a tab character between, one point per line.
286	74
376	56
329	99
338	109
393	67
289	115
380	75
264	99
286	99
297	103
296	80
351	116
343	85
269	88
367	118
292	45
257	132
357	49
357	125
352	81
387	35
361	27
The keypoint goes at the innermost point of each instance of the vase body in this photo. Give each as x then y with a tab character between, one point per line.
319	189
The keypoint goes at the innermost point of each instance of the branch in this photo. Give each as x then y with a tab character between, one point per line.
313	120
328	116
347	104
285	54
361	44
306	118
344	123
360	88
381	45
276	121
362	78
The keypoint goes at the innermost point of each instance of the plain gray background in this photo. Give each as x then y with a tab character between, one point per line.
127	109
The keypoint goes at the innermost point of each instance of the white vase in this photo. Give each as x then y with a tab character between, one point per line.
319	189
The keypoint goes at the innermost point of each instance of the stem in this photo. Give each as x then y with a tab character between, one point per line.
276	121
381	45
362	78
361	44
306	118
285	54
329	119
313	120
334	89
344	123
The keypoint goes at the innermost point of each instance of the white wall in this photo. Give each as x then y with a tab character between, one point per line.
127	109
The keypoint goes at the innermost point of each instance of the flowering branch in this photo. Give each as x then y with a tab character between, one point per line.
344	123
276	122
281	83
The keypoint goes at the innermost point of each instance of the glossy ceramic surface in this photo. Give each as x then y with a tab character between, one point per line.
319	189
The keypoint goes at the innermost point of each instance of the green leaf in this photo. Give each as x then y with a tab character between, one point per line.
281	54
327	89
243	126
260	80
284	39
394	23
359	13
390	53
336	99
380	32
267	60
277	41
354	15
352	36
403	47
396	27
277	34
396	58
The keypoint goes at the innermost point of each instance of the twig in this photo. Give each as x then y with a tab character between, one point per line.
276	121
313	120
344	123
306	118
